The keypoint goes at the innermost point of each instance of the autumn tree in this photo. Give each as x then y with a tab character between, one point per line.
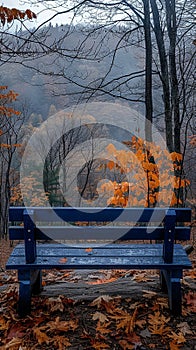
11	122
148	186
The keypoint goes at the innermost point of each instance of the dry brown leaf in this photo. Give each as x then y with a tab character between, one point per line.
134	305
60	342
4	325
125	345
158	324
191	274
63	260
102	281
88	250
55	304
62	326
102	327
174	346
142	277
98	301
16	331
190	301
100	316
40	335
184	328
148	294
140	323
99	346
13	344
125	321
177	338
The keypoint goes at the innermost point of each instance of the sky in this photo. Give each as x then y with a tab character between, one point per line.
40	11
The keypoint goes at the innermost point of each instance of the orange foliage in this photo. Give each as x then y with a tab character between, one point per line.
6	98
148	186
8	15
31	189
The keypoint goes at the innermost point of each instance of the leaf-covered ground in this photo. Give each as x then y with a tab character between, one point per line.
140	322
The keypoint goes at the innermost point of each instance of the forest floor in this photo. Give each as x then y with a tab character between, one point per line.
96	310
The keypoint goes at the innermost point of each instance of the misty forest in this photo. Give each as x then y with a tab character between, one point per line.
137	56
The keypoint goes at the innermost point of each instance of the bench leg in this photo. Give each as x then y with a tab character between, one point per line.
37	282
163	282
24	302
171	279
29	282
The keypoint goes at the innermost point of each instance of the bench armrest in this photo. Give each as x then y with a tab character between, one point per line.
169	228
29	235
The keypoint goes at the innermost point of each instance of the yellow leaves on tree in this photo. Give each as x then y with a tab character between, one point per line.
31	189
8	15
147	186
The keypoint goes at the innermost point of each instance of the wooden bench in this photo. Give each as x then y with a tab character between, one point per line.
97	243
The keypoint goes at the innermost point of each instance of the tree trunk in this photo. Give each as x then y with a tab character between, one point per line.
164	74
148	72
172	32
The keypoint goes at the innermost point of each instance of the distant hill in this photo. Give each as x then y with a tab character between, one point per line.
43	94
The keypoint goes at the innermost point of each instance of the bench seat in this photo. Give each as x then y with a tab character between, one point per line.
122	256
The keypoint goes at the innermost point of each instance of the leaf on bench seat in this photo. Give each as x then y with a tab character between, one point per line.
63	260
88	250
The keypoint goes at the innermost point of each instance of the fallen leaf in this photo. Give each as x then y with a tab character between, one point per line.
134	305
88	250
16	331
184	328
63	260
102	327
190	301
100	316
62	326
4	325
15	342
102	281
125	345
174	346
158	324
142	277
178	338
41	336
60	342
98	301
148	294
55	304
99	346
125	321
140	323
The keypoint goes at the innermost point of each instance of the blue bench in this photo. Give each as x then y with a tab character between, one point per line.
94	240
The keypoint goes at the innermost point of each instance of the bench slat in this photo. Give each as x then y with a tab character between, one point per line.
120	256
99	214
98	250
99	233
100	263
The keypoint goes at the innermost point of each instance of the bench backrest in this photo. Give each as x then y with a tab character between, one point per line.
80	224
